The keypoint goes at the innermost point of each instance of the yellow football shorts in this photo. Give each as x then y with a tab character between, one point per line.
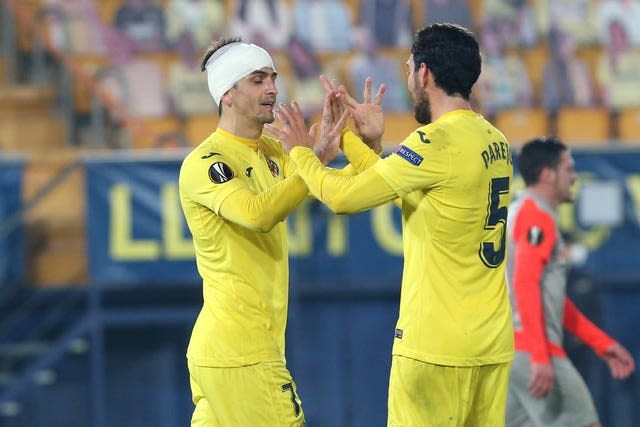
260	395
424	395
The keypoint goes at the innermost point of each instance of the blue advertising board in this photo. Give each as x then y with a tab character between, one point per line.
12	240
137	233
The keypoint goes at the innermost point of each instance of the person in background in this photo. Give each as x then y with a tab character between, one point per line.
368	61
454	11
544	386
204	20
143	23
188	91
265	22
390	21
504	82
618	72
324	24
566	80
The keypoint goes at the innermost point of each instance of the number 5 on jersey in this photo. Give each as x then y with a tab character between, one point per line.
496	216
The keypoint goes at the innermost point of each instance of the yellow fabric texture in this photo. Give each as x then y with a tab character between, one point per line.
424	394
264	395
451	174
241	247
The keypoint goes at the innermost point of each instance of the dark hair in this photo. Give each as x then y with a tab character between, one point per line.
538	154
213	48
452	54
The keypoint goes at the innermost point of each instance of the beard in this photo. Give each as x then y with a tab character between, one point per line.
421	107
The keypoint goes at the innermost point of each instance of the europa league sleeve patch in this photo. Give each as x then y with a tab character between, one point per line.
219	172
535	235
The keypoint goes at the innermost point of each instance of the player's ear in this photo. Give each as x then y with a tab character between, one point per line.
546	174
227	98
424	74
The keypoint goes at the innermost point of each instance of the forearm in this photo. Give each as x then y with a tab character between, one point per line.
527	275
578	324
357	152
261	212
342	194
360	155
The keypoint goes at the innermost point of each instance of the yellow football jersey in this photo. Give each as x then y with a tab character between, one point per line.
244	271
454	177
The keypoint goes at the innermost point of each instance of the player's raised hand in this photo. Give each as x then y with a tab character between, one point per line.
368	116
334	118
542	379
337	108
293	131
620	361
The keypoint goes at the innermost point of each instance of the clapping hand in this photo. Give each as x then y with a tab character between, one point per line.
334	118
368	116
293	132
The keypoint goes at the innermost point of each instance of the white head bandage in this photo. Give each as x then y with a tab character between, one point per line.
232	62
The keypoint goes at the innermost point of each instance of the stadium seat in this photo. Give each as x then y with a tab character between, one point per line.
107	10
56	225
84	68
591	56
477	12
26	122
397	127
153	132
535	58
584	126
629	126
163	59
200	126
522	124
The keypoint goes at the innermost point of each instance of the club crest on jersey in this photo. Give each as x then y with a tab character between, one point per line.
219	173
273	167
535	235
409	155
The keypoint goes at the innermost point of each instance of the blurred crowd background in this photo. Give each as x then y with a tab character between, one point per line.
101	99
567	67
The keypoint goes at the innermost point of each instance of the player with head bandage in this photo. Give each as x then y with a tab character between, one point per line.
236	189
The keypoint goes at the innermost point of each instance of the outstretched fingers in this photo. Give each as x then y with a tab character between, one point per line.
380	94
343	121
328	85
367	90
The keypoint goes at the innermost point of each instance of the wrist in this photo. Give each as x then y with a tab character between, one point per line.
374	144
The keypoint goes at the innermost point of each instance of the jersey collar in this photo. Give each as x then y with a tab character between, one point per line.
251	143
455	113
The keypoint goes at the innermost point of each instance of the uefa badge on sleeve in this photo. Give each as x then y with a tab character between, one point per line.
219	173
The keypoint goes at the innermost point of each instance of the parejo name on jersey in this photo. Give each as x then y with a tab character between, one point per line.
496	151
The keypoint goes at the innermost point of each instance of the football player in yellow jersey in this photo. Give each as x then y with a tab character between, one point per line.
454	337
236	188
